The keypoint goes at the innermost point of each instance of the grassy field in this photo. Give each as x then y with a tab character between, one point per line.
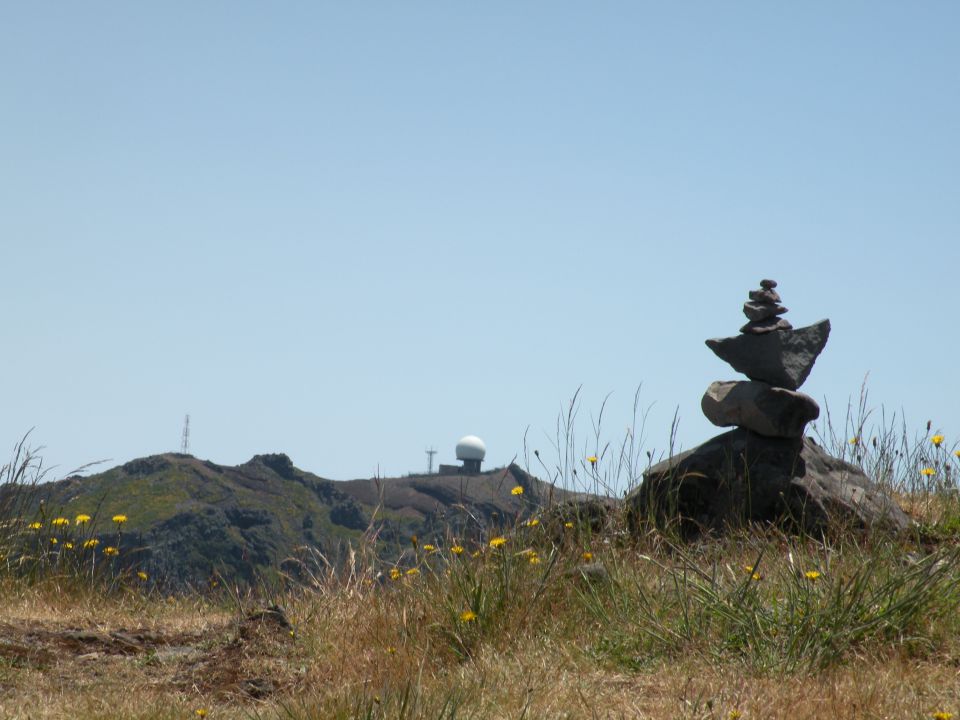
546	619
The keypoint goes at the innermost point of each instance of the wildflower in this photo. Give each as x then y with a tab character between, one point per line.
812	574
391	650
592	459
35	525
82	519
734	715
942	715
201	712
142	575
457	549
111	551
533	522
517	491
413	571
568	525
395	574
498	541
534	559
587	555
429	548
119	519
53	541
475	554
854	440
468	616
59	522
936	440
754	575
957	453
928	472
68	545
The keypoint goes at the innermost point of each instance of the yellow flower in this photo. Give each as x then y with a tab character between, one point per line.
142	575
35	525
532	522
587	555
68	545
59	522
91	543
734	715
534	559
475	554
957	453
457	549
82	519
413	571
517	491
592	459
201	712
936	440
468	616
854	440
395	574
391	650
568	525
942	715
754	575
53	541
110	550
498	542
429	548
119	519
928	472
812	574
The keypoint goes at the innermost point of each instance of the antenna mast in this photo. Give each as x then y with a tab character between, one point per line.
185	440
430	453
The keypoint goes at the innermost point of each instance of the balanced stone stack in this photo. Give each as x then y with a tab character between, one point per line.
777	359
764	470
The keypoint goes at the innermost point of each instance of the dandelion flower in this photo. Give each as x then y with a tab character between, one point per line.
53	541
534	559
142	575
395	574
587	555
928	471
937	440
734	715
82	519
457	549
517	491
592	459
942	715
429	548
35	525
468	616
111	551
68	545
91	543
201	712
119	519
812	574
475	554
854	440
59	522
568	525
957	453
498	541
533	522
391	650
413	571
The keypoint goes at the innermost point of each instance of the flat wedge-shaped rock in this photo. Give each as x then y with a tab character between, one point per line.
783	358
741	477
758	406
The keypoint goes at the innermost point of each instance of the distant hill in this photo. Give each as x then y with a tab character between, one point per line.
189	519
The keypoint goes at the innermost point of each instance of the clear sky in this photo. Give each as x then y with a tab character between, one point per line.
350	231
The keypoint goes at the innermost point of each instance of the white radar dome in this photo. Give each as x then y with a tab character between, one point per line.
471	448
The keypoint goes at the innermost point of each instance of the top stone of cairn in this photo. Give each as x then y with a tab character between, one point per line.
763	310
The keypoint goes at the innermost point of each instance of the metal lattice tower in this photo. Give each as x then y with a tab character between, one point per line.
430	453
185	440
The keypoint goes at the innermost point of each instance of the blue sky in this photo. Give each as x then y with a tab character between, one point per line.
351	232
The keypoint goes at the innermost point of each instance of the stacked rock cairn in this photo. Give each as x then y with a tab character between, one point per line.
777	360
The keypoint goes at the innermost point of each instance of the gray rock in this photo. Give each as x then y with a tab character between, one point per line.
764	326
762	311
740	477
757	406
768	284
783	358
765	296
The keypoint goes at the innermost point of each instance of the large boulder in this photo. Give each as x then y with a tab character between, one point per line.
783	358
740	477
757	406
